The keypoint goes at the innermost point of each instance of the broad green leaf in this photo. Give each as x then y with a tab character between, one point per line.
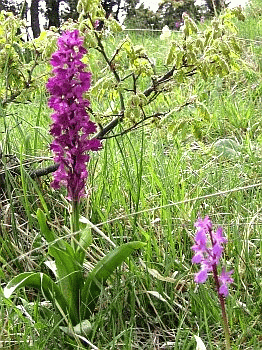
171	54
41	282
199	43
84	242
82	328
98	276
142	98
197	131
69	278
92	8
127	45
89	38
203	111
113	25
69	270
180	76
136	113
179	58
228	148
174	128
235	45
191	58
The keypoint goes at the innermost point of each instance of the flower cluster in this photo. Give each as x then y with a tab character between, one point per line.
208	250
166	33
71	126
178	24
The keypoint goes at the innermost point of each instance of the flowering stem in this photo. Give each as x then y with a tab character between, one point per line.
209	256
75	214
225	321
223	309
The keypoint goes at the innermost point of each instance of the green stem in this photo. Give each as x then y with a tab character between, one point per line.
75	215
214	7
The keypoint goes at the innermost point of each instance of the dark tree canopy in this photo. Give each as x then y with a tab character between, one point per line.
108	6
9	6
130	7
170	12
137	15
143	19
218	4
70	11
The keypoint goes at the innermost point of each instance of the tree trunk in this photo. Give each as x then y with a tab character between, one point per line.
35	18
108	6
116	15
73	11
215	6
52	12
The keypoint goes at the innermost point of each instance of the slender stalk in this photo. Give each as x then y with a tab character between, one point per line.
223	309
75	215
214	7
225	321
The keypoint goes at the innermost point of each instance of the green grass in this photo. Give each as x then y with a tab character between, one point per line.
151	185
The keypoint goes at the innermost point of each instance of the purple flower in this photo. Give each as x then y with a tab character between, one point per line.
224	280
96	23
71	126
202	275
200	246
205	224
217	241
208	249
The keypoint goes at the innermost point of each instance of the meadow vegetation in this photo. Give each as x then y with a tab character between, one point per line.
150	184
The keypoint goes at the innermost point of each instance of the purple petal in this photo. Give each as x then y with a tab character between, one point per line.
205	224
197	258
223	290
201	276
225	279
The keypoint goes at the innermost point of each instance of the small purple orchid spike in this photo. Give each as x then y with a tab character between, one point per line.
208	249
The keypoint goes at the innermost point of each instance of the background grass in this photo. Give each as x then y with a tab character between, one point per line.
151	185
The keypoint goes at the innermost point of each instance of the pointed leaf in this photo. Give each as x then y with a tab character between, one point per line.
69	270
82	328
69	278
45	230
41	282
98	276
84	242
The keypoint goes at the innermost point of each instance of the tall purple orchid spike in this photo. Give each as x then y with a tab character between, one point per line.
71	126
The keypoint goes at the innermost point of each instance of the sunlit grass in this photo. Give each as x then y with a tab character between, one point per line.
151	185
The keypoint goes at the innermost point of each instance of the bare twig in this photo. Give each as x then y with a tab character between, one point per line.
135	125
